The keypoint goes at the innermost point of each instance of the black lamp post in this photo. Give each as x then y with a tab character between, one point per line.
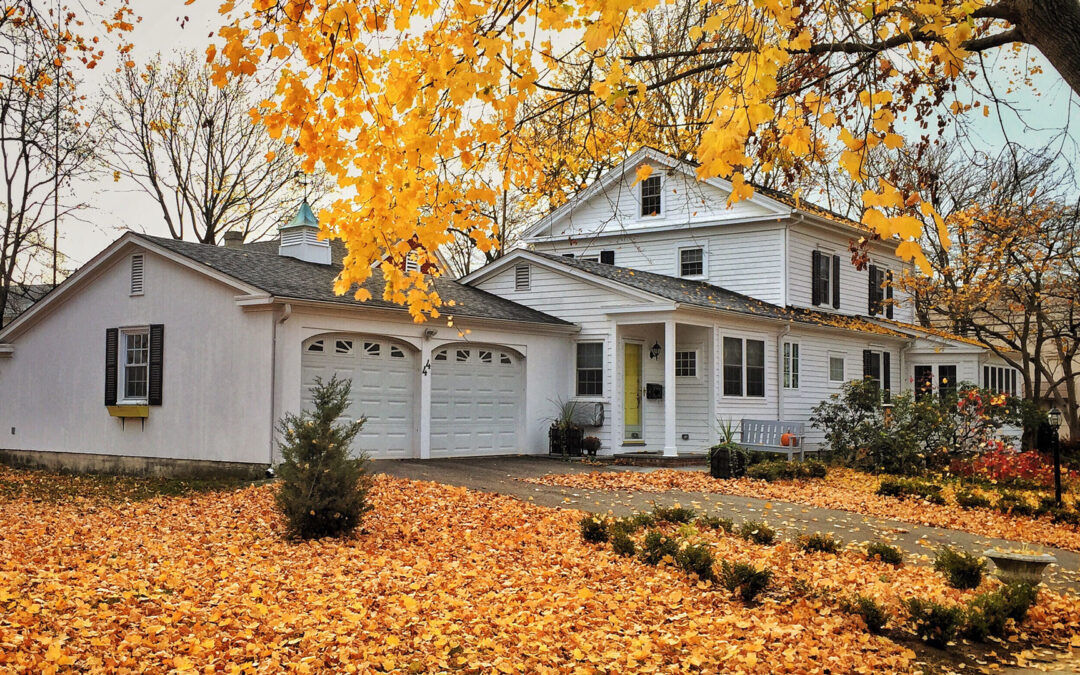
1053	418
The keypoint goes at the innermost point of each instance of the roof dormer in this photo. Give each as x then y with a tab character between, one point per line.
300	238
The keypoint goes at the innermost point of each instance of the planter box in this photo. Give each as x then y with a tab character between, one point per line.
565	442
1025	567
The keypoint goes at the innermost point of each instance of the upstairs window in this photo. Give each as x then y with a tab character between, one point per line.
590	369
691	262
522	277
825	278
607	257
137	274
650	196
881	292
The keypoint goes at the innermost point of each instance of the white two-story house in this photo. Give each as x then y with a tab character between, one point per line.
655	300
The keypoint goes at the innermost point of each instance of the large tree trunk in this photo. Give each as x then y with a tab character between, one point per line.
1051	26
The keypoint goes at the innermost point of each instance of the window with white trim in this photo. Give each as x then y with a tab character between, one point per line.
836	368
135	357
691	261
651	196
791	365
686	363
744	367
137	274
590	369
1001	379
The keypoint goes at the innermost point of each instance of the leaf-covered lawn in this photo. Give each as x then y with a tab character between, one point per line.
842	489
441	580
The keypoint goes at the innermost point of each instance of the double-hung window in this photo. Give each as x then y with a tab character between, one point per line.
791	365
650	196
590	369
136	364
691	261
744	367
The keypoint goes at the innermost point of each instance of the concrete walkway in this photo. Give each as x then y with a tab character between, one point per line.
502	474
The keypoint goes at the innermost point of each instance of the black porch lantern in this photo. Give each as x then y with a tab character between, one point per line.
1053	418
654	351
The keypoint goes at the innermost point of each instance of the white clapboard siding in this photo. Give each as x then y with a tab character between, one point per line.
684	200
734	408
574	300
746	259
815	349
692	396
854	283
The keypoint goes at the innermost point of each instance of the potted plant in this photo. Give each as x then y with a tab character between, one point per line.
726	458
565	436
1023	565
591	444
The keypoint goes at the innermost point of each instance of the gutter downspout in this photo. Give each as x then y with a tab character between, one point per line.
780	372
285	314
903	361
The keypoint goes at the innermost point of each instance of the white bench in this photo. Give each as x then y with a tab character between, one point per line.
764	435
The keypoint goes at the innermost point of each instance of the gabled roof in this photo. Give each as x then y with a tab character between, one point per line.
700	294
258	264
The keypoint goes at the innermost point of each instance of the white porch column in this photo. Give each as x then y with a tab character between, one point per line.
670	448
425	399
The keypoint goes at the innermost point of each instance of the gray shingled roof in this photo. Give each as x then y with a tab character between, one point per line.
701	294
258	264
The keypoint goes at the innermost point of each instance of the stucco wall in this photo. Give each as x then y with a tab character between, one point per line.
216	374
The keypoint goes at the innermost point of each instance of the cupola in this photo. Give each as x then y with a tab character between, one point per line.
300	238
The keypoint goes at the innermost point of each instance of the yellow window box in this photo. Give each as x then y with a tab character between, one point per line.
129	410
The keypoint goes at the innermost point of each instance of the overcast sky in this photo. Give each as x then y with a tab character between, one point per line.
115	207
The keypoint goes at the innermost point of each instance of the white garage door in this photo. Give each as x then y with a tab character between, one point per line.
477	398
383	374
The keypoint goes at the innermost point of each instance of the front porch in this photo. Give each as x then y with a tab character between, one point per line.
664	399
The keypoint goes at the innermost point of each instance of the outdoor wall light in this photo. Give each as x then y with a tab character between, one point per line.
654	351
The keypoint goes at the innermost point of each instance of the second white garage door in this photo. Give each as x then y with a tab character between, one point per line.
477	398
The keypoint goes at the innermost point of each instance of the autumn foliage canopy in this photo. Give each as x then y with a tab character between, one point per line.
425	112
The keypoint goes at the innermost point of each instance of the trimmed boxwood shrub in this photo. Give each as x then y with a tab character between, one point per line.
593	530
715	523
971	500
819	542
744	580
781	469
885	553
961	569
935	624
622	544
757	532
673	514
656	547
909	487
873	614
988	613
697	559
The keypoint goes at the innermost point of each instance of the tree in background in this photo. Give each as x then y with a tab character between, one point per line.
46	143
1010	277
323	488
421	111
194	149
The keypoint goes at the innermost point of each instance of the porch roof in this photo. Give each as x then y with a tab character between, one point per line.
705	295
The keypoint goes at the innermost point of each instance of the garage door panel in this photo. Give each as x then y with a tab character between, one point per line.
383	375
477	398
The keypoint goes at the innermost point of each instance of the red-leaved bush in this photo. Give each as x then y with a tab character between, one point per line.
1004	464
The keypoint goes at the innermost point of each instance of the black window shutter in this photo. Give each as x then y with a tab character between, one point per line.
815	277
888	293
112	338
867	358
836	282
607	257
872	303
157	349
886	380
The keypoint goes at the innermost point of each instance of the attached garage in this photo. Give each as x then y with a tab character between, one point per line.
384	374
477	399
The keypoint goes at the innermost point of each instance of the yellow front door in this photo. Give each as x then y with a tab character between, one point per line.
632	391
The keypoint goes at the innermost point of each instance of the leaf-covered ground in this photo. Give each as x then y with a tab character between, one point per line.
842	489
442	579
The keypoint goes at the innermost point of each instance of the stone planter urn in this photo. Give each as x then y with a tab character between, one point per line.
1025	567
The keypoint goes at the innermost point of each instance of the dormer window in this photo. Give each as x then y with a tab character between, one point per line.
650	196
